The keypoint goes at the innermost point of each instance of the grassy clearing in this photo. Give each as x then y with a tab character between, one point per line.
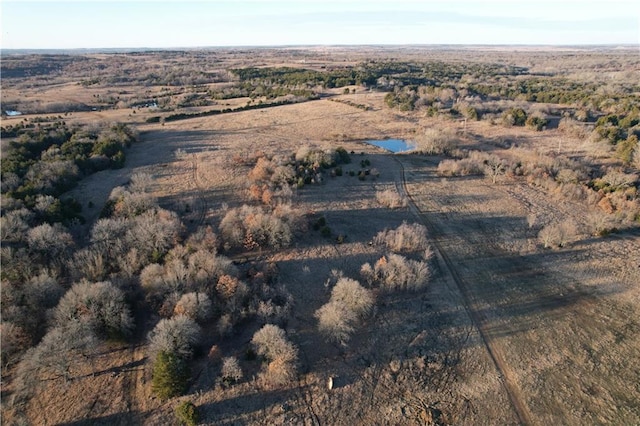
550	315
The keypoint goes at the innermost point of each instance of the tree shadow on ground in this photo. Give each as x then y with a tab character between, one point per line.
239	409
118	419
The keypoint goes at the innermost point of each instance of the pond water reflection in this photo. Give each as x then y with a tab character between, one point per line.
393	145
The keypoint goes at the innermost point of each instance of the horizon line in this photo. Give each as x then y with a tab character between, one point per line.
276	46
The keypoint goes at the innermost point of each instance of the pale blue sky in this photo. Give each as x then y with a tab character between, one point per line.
103	24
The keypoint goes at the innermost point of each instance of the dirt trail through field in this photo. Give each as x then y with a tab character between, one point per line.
133	384
495	352
537	311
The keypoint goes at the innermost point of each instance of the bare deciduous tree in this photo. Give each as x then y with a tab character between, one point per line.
203	239
494	167
54	357
601	223
108	230
353	296
435	142
336	322
178	335
391	199
224	326
14	225
88	263
253	227
13	341
405	238
275	313
152	278
231	371
100	305
130	204
43	291
557	234
395	272
281	355
52	242
140	182
349	302
196	306
154	232
271	342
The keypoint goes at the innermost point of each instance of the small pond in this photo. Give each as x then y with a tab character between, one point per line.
394	145
13	113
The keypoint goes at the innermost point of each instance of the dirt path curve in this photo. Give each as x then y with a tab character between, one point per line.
505	373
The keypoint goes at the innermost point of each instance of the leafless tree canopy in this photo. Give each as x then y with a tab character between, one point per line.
280	355
178	335
100	305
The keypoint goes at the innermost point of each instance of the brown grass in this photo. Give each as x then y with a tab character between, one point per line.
563	321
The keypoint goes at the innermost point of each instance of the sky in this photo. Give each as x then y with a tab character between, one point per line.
30	24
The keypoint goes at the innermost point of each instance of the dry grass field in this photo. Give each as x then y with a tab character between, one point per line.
505	332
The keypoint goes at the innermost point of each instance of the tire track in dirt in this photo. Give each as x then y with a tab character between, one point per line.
132	384
305	397
495	353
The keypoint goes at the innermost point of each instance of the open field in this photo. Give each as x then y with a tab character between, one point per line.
505	330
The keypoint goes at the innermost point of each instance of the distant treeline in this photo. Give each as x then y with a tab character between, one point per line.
368	73
303	77
184	115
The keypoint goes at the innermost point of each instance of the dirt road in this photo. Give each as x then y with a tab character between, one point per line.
495	352
533	316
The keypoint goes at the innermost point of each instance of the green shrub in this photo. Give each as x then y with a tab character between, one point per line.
611	133
536	123
187	413
107	147
626	148
629	121
610	119
343	155
432	111
514	117
117	161
170	375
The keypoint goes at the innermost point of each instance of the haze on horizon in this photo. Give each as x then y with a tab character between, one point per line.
171	24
